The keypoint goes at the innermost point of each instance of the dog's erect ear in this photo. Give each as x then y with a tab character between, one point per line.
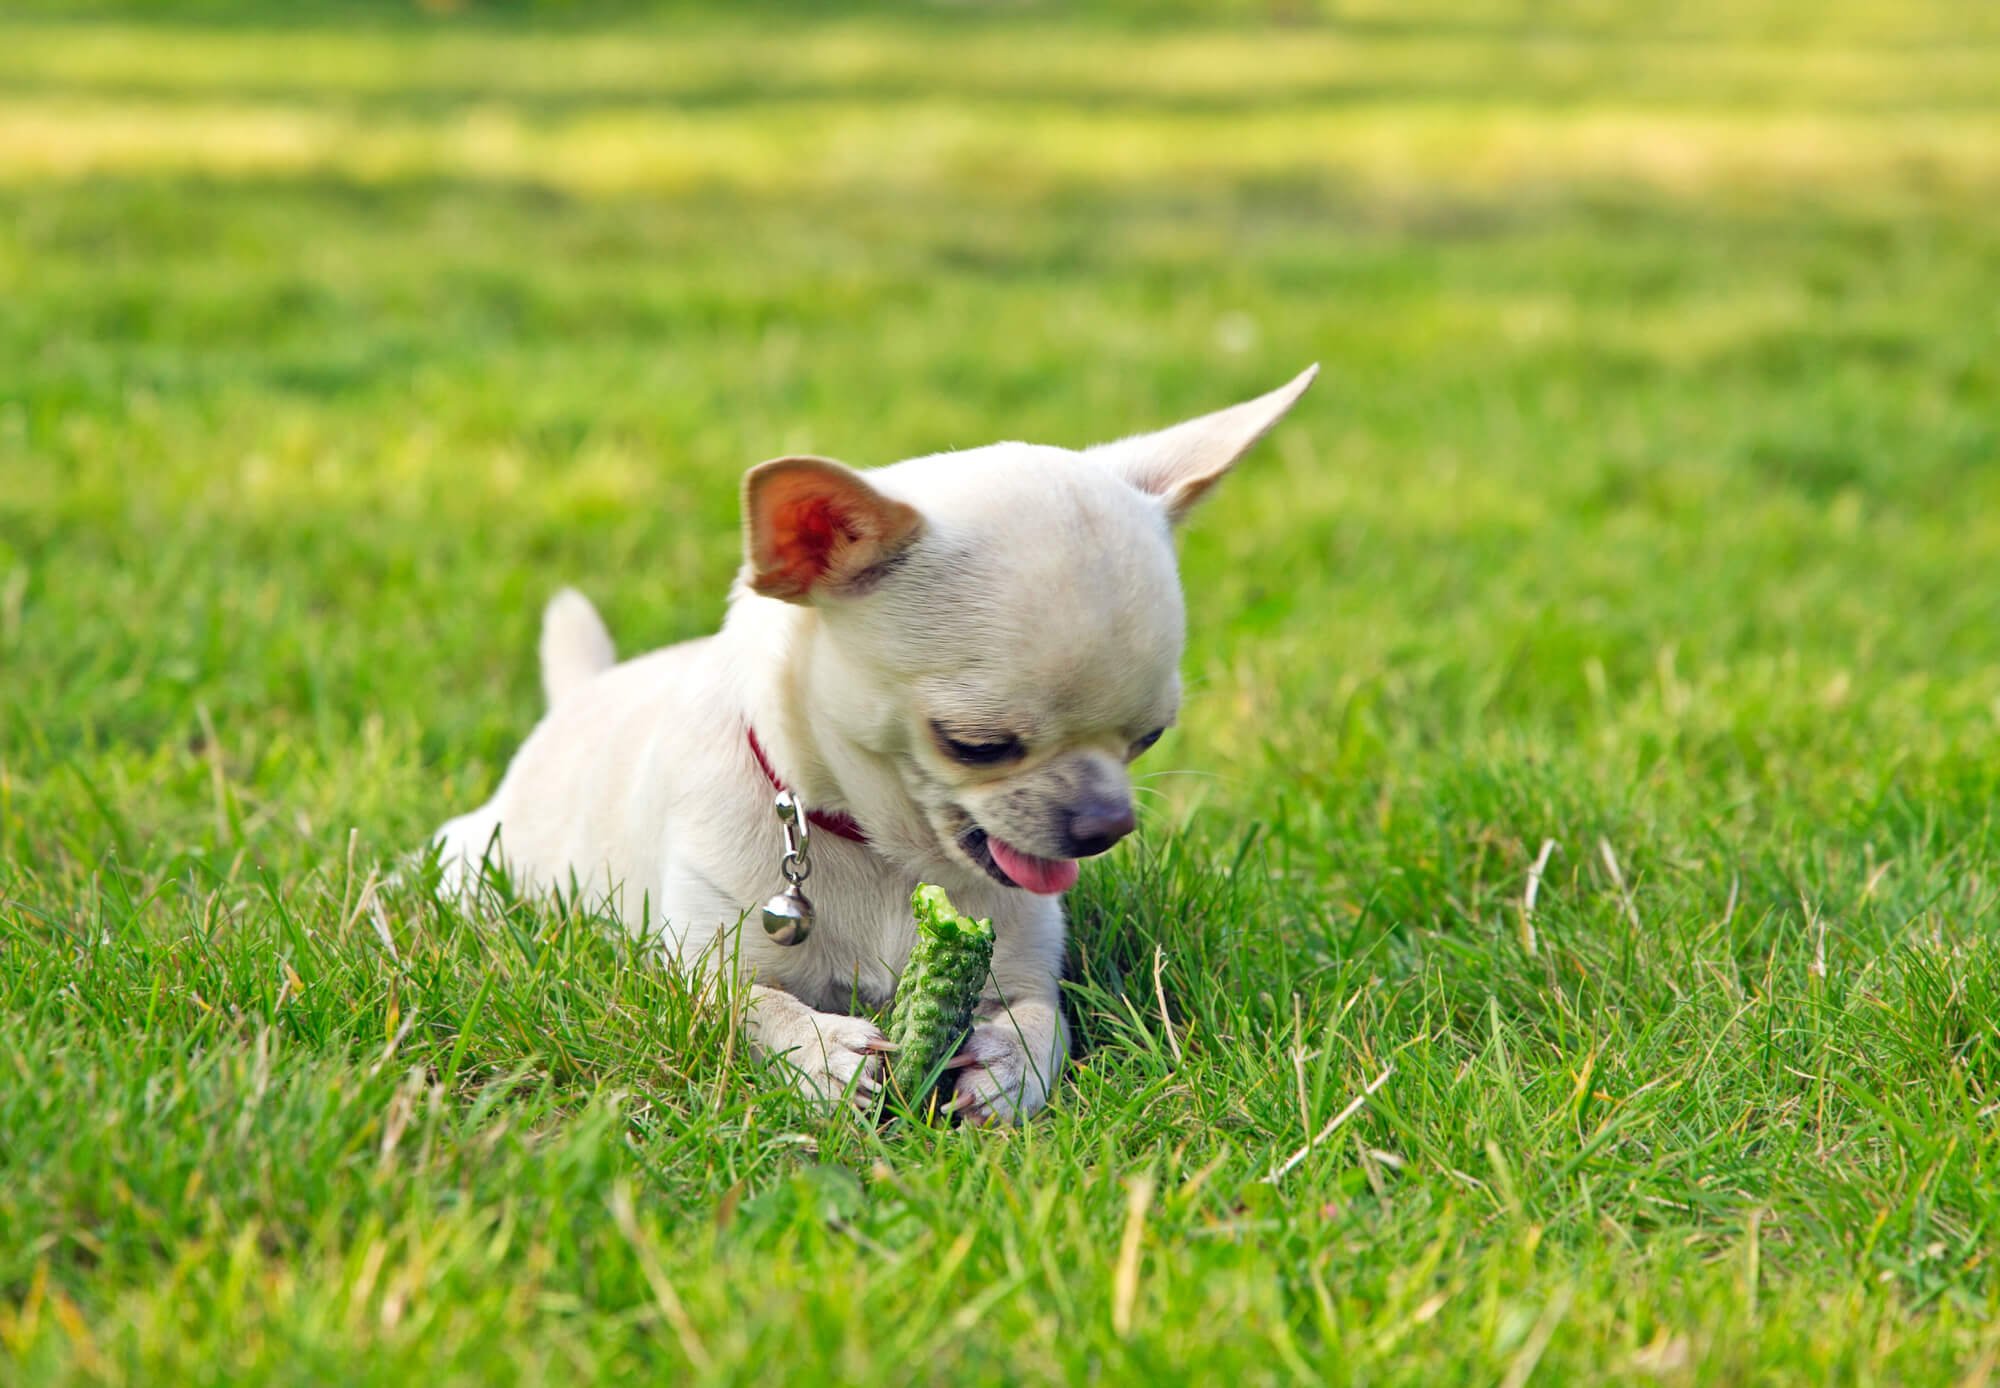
811	525
1181	463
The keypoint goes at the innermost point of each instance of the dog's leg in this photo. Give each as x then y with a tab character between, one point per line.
1011	1060
834	1058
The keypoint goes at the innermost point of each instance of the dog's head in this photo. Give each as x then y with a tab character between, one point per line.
1000	628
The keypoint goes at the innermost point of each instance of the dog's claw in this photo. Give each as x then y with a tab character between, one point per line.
974	1114
874	1045
962	1060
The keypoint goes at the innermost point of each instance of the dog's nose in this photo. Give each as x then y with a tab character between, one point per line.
1095	825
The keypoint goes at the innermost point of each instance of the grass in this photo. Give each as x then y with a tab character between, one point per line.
1647	507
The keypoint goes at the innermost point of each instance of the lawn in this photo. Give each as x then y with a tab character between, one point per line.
1590	762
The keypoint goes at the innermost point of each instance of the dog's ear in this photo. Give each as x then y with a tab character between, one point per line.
812	526
1179	464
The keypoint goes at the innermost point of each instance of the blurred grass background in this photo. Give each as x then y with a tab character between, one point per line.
1648	499
1640	340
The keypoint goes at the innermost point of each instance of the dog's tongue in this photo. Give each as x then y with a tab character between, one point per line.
1048	876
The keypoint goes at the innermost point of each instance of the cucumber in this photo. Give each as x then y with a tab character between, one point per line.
939	988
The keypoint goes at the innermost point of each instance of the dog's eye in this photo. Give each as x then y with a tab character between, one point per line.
1139	747
984	751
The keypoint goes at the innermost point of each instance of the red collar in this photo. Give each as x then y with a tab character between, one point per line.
839	825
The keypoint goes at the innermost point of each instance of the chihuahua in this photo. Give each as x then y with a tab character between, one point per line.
952	662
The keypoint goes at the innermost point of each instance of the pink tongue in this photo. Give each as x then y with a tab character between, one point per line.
1048	876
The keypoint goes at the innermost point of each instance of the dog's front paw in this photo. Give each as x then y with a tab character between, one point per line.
999	1079
837	1059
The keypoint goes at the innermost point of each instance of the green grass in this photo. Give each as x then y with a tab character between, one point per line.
1649	503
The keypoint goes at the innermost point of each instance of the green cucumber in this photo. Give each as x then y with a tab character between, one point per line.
940	986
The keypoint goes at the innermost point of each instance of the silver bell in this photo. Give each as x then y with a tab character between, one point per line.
788	916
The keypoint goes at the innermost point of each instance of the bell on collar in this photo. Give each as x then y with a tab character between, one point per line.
788	916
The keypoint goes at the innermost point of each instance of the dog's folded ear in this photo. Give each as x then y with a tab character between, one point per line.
1179	464
812	526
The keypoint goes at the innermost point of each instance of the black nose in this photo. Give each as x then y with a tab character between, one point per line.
1095	825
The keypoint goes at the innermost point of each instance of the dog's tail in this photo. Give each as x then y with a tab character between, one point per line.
576	648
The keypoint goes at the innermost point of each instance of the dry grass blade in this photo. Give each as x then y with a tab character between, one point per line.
1160	992
1531	892
1125	1277
1333	1124
664	1296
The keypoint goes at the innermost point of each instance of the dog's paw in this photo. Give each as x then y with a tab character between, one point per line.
838	1059
999	1080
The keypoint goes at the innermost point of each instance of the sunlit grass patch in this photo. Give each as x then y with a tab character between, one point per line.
830	144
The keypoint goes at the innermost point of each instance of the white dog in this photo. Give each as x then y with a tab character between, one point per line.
952	661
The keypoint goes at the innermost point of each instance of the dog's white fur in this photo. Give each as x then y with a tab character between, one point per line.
1013	589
